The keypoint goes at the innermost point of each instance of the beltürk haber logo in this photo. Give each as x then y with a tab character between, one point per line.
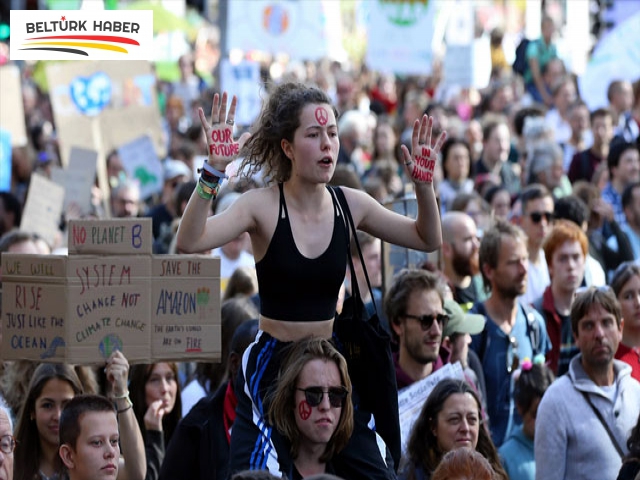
81	35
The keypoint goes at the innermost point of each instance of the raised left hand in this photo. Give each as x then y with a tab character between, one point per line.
421	162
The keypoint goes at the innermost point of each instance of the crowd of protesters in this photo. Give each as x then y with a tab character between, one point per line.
538	202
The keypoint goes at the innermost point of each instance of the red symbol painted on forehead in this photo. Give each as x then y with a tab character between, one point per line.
304	410
321	116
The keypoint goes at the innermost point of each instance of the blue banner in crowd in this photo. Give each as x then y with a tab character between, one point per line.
5	160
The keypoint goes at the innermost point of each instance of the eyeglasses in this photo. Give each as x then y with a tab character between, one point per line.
314	395
513	361
426	321
536	217
7	444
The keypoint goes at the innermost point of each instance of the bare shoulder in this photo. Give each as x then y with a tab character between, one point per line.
360	203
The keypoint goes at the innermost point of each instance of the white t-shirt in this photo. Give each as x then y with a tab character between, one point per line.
537	280
228	266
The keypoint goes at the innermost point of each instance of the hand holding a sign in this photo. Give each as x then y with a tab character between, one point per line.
117	371
421	162
222	148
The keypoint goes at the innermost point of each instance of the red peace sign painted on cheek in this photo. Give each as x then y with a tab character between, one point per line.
304	410
322	116
424	166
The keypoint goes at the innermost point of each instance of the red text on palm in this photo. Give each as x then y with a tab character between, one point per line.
423	165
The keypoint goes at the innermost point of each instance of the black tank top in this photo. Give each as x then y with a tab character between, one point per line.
293	287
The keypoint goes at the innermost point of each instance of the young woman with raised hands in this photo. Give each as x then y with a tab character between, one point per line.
298	237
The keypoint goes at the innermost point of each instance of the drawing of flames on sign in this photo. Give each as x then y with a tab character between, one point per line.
64	43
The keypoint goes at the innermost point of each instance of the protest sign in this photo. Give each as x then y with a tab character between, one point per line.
243	79
43	209
101	105
185	309
5	160
412	398
402	35
301	30
11	106
468	66
77	179
120	236
110	293
141	162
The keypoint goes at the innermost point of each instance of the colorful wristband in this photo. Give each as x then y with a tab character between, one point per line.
208	169
204	192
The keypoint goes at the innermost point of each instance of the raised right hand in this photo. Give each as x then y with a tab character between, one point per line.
222	148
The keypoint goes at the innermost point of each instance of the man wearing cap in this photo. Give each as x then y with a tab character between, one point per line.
457	338
162	215
414	307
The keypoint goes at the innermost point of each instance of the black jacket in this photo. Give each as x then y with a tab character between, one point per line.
199	449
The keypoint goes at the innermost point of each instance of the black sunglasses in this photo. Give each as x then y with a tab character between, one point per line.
536	217
427	320
314	395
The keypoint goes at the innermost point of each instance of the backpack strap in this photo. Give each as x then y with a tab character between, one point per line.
533	328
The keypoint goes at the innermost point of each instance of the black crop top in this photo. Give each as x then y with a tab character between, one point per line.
293	287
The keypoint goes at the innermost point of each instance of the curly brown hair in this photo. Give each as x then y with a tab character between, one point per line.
279	120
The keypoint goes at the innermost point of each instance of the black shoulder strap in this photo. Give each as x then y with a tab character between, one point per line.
346	215
604	424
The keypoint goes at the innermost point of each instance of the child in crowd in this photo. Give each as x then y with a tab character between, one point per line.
516	452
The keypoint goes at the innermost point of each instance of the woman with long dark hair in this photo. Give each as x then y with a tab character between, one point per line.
451	418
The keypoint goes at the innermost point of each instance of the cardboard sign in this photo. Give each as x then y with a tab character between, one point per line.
78	178
79	309
43	208
412	398
141	162
101	105
11	106
5	160
122	236
184	307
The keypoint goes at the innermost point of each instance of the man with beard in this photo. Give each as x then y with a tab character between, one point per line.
512	331
585	416
414	305
461	265
565	250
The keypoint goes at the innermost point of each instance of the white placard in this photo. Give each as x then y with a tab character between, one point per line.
43	208
78	178
302	30
141	162
400	36
412	398
243	80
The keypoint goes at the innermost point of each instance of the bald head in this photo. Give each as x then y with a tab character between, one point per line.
452	222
